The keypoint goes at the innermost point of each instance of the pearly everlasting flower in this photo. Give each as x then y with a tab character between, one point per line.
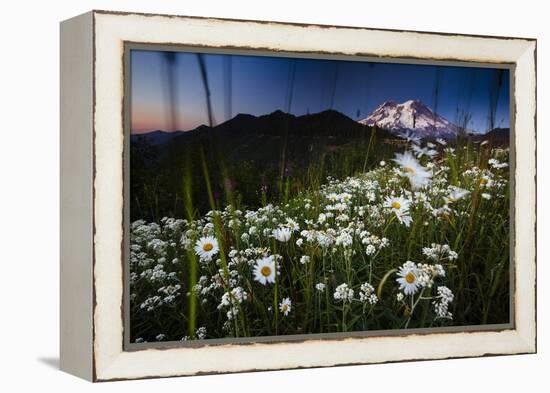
264	271
367	295
201	333
320	287
439	251
497	164
185	241
441	303
486	196
370	249
344	239
304	259
343	293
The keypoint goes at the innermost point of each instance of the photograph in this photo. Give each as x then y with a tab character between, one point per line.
274	196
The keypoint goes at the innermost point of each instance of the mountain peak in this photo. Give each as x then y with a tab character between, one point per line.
411	115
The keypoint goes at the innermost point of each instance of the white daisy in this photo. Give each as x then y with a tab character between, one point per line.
264	271
441	141
404	219
285	306
408	278
418	175
423	151
282	234
456	194
410	137
206	248
485	181
399	205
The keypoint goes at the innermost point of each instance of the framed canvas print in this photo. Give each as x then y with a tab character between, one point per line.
245	195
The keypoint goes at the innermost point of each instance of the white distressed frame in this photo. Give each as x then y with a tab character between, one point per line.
108	360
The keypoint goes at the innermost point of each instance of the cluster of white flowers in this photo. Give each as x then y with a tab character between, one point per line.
232	300
367	295
201	333
343	293
441	303
171	291
151	303
493	162
439	252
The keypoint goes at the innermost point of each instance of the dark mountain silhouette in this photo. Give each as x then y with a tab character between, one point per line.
157	137
263	137
497	136
278	152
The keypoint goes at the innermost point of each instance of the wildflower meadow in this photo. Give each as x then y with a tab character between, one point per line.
418	239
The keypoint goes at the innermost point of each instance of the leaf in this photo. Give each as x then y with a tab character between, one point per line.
383	281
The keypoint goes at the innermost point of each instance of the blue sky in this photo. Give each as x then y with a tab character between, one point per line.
259	85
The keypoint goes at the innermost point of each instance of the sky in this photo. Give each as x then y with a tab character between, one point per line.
168	90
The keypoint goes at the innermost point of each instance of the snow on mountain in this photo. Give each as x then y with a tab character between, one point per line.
411	115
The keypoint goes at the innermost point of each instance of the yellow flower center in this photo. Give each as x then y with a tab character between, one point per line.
266	271
207	247
483	180
410	277
395	205
409	169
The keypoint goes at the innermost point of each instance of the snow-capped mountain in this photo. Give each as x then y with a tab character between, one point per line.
411	115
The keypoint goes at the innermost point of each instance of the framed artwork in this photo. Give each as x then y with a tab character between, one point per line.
245	195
